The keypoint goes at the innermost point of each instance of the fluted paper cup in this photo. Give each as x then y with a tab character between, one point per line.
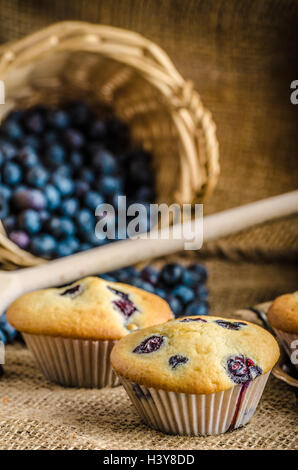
73	362
290	343
193	415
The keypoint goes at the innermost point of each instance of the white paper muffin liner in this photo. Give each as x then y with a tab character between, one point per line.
73	362
287	341
193	415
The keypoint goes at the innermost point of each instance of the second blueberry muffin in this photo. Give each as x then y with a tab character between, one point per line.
71	330
196	375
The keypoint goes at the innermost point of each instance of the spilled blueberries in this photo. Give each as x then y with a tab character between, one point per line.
149	345
56	166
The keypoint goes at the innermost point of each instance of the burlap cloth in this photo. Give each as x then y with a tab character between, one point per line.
242	57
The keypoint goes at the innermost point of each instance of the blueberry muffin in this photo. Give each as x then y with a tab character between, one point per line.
283	317
71	330
196	375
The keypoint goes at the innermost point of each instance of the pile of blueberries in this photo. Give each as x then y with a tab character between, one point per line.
182	287
56	166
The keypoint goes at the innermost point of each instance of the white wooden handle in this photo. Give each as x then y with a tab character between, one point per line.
128	252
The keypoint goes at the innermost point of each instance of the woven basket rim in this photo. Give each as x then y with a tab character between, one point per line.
194	124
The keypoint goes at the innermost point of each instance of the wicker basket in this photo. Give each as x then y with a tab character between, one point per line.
133	75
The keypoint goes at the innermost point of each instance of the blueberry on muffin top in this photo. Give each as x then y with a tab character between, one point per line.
91	308
192	356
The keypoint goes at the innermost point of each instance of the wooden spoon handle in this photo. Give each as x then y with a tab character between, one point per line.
128	252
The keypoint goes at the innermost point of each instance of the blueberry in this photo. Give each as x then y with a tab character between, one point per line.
12	173
8	150
123	302
149	345
9	331
237	325
67	247
3	338
69	207
31	140
5	192
3	207
79	113
145	193
125	275
53	196
175	304
160	292
81	188
43	245
20	238
50	137
44	216
97	129
29	199
73	139
242	370
73	291
27	156
201	291
37	177
197	308
60	227
93	199
12	129
64	170
177	360
190	278
188	320
29	220
55	154
63	184
34	121
2	158
104	161
110	185
143	285
171	273
87	175
9	223
184	293
85	246
57	118
16	114
149	274
76	159
85	218
90	237
201	270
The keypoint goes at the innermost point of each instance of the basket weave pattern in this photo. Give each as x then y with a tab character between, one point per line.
137	79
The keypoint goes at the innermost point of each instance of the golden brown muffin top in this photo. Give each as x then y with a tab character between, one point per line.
199	355
91	308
